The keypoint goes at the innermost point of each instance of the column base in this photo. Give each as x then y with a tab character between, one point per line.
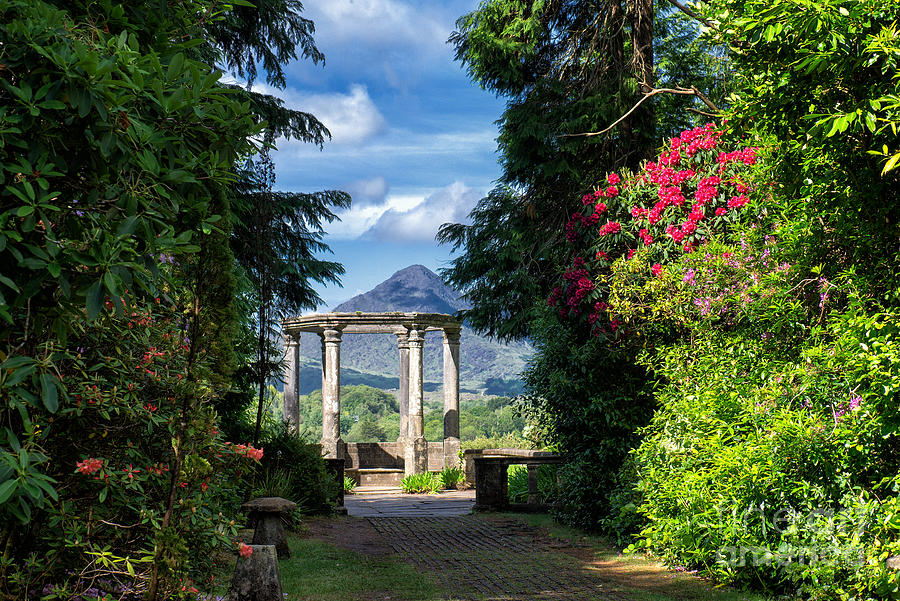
334	449
415	458
451	452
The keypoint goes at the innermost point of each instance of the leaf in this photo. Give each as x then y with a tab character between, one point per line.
49	392
6	490
16	361
175	67
94	300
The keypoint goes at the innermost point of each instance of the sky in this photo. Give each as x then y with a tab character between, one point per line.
413	139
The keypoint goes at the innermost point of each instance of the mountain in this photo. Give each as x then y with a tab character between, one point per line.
415	288
485	365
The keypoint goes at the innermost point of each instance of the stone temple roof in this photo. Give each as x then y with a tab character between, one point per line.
370	323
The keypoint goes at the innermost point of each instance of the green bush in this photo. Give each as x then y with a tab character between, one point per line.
517	483
296	466
451	476
349	485
427	482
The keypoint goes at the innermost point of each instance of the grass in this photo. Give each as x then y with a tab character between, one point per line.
320	571
678	586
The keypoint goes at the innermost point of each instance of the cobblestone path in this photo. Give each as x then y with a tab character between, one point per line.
483	559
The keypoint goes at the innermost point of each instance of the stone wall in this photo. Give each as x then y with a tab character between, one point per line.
363	455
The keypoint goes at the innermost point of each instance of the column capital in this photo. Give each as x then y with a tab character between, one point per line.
402	339
416	337
291	339
331	336
451	336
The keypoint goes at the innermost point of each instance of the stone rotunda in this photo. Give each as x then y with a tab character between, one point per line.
409	328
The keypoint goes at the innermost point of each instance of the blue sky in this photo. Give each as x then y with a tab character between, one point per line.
414	141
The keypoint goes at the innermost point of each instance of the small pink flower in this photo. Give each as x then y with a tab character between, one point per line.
89	466
245	551
613	179
656	270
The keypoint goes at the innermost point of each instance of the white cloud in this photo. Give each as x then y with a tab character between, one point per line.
386	23
421	222
367	192
352	118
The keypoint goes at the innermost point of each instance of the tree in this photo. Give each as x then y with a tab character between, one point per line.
118	149
277	236
568	68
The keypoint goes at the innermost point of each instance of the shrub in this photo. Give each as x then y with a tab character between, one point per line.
517	483
427	482
297	465
349	485
451	476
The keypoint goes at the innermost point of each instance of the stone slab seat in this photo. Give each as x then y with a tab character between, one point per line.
380	476
266	513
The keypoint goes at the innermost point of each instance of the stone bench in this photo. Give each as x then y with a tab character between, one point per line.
492	485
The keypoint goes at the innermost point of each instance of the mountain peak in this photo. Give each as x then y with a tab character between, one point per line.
413	288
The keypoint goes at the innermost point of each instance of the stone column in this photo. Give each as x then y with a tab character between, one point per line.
416	455
332	445
403	347
291	381
451	398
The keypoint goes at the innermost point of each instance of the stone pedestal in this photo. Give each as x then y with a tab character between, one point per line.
266	512
491	484
256	576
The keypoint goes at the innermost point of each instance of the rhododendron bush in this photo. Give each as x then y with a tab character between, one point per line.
771	457
690	195
138	462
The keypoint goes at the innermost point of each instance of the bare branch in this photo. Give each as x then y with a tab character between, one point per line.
692	91
705	100
690	12
704	113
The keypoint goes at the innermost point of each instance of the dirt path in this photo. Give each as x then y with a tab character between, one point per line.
478	557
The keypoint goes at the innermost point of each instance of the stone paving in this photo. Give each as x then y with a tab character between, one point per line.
385	503
478	557
474	558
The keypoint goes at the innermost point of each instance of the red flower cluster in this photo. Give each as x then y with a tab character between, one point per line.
610	227
248	450
685	170
89	465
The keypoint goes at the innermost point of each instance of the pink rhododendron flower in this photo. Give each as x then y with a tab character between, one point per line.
656	270
613	179
245	551
610	227
89	466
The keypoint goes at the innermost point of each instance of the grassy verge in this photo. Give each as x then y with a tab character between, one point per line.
320	571
644	579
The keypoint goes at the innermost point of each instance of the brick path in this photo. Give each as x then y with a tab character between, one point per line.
476	558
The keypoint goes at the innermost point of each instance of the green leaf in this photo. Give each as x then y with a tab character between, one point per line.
16	361
175	67
6	490
49	393
94	301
